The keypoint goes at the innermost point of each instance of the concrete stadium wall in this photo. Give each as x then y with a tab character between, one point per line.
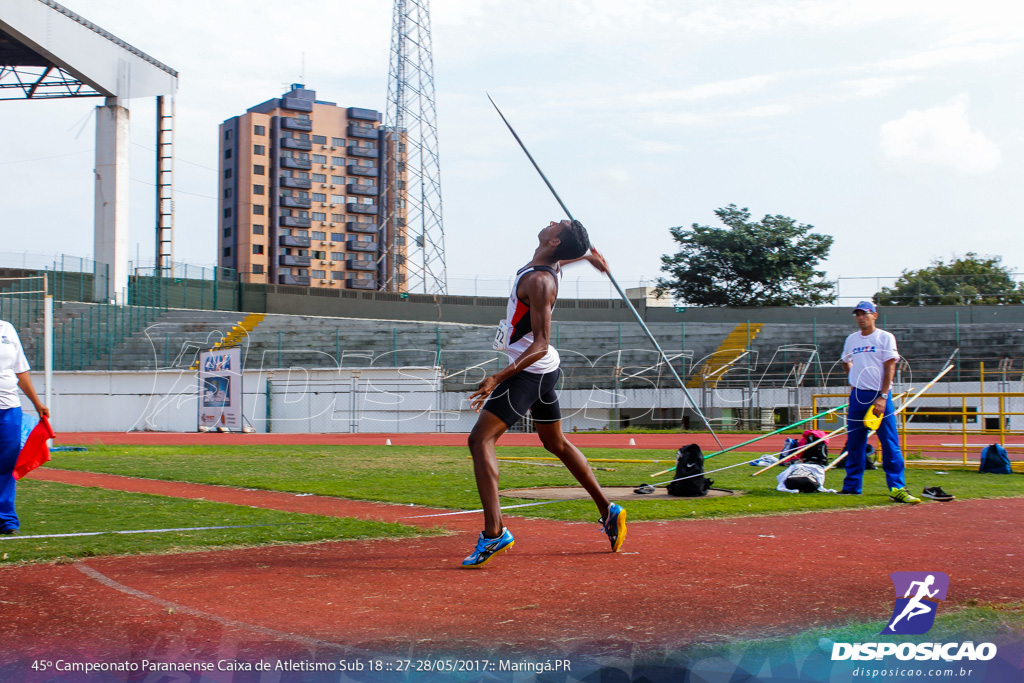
410	400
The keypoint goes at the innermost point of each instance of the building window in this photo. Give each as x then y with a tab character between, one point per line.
366	163
257	189
227	212
258	170
227	153
400	184
259	130
401	147
302	272
318	273
337	237
337	218
287	134
319	139
259	149
284	231
227	173
338	179
227	251
322	255
257	248
284	271
337	275
369	200
302	136
337	199
304	156
302	233
227	134
318	216
285	212
318	235
319	178
257	229
338	142
257	269
320	158
337	256
227	193
304	175
318	197
257	209
227	232
338	161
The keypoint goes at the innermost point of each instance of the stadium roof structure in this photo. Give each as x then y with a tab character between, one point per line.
48	51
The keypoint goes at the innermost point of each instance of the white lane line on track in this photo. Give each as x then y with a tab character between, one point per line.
223	621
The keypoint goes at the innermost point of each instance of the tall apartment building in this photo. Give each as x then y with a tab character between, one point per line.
300	190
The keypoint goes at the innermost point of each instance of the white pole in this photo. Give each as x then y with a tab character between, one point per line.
47	344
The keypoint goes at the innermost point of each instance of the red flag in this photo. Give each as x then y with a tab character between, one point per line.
35	452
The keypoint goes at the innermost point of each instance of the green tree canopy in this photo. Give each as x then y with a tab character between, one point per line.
767	263
967	280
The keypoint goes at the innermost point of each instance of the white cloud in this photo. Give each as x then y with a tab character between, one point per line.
941	137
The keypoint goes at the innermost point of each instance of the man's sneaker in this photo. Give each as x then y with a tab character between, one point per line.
615	526
487	548
936	493
844	492
8	532
902	496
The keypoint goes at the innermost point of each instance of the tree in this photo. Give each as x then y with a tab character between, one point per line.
766	263
967	280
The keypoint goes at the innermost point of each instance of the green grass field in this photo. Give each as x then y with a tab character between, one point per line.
50	508
442	477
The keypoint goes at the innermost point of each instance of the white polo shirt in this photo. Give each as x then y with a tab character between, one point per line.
12	361
867	355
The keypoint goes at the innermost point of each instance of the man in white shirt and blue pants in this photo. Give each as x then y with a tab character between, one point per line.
13	375
870	357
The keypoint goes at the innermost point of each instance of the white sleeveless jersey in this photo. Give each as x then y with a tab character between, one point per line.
517	314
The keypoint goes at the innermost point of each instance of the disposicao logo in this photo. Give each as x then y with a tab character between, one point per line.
914	612
917	596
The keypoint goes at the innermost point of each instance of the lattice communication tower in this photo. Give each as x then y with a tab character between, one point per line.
412	231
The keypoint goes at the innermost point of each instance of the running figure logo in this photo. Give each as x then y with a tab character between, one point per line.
914	613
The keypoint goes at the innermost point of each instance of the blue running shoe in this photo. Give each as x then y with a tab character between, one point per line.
615	526
487	548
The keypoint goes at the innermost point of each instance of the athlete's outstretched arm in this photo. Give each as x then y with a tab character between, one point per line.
593	256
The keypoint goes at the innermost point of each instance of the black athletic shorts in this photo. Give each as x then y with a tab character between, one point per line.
526	391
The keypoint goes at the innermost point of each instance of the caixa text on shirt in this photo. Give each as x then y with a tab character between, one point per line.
864	349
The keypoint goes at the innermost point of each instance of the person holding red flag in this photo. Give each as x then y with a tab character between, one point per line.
13	375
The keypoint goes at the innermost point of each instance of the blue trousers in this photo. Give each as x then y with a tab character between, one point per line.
857	439
10	447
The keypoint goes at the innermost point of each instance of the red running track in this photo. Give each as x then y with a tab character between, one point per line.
560	592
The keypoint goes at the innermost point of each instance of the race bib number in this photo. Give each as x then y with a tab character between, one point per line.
501	336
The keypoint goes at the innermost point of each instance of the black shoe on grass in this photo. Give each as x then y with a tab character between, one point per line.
936	493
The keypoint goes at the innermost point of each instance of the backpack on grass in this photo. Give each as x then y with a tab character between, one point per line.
690	470
818	453
994	460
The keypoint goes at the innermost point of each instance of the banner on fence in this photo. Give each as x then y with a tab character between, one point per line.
220	389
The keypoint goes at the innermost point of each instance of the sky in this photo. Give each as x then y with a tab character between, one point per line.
894	127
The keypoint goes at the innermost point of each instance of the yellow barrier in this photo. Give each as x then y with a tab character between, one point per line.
990	413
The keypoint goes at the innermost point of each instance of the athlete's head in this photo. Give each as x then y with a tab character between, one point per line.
570	238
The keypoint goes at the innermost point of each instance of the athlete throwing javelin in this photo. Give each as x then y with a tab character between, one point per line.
528	383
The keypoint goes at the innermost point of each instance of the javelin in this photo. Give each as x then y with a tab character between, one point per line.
763	436
629	304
